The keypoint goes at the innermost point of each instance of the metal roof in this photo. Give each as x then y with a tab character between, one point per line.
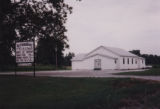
79	57
120	52
117	51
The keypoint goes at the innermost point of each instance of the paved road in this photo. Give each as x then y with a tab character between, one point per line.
86	73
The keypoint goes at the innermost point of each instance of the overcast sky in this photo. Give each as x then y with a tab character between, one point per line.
127	24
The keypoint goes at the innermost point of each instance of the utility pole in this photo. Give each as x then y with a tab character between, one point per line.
56	57
34	70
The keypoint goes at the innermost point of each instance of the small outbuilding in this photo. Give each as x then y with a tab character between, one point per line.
103	58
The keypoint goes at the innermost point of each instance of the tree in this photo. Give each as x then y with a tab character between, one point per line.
67	59
48	50
7	35
136	52
42	20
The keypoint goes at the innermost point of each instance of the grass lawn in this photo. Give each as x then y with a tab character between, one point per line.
151	72
37	67
77	93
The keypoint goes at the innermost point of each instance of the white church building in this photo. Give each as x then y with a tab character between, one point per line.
103	58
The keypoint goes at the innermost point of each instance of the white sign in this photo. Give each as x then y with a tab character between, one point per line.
24	52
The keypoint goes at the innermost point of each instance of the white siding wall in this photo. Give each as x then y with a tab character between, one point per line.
135	65
77	65
130	65
142	63
106	63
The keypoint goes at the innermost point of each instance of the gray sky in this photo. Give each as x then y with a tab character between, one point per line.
127	24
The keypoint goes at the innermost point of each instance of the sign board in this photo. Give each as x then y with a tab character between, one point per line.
24	52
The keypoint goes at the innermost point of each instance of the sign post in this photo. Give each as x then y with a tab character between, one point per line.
15	70
25	54
34	58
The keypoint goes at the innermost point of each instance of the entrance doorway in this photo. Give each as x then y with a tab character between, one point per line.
97	64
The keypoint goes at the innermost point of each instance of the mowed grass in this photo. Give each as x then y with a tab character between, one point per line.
151	72
37	68
77	93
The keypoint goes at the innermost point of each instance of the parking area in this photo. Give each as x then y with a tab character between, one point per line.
85	73
73	73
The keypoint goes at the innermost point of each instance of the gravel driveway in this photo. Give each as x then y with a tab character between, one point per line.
86	73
